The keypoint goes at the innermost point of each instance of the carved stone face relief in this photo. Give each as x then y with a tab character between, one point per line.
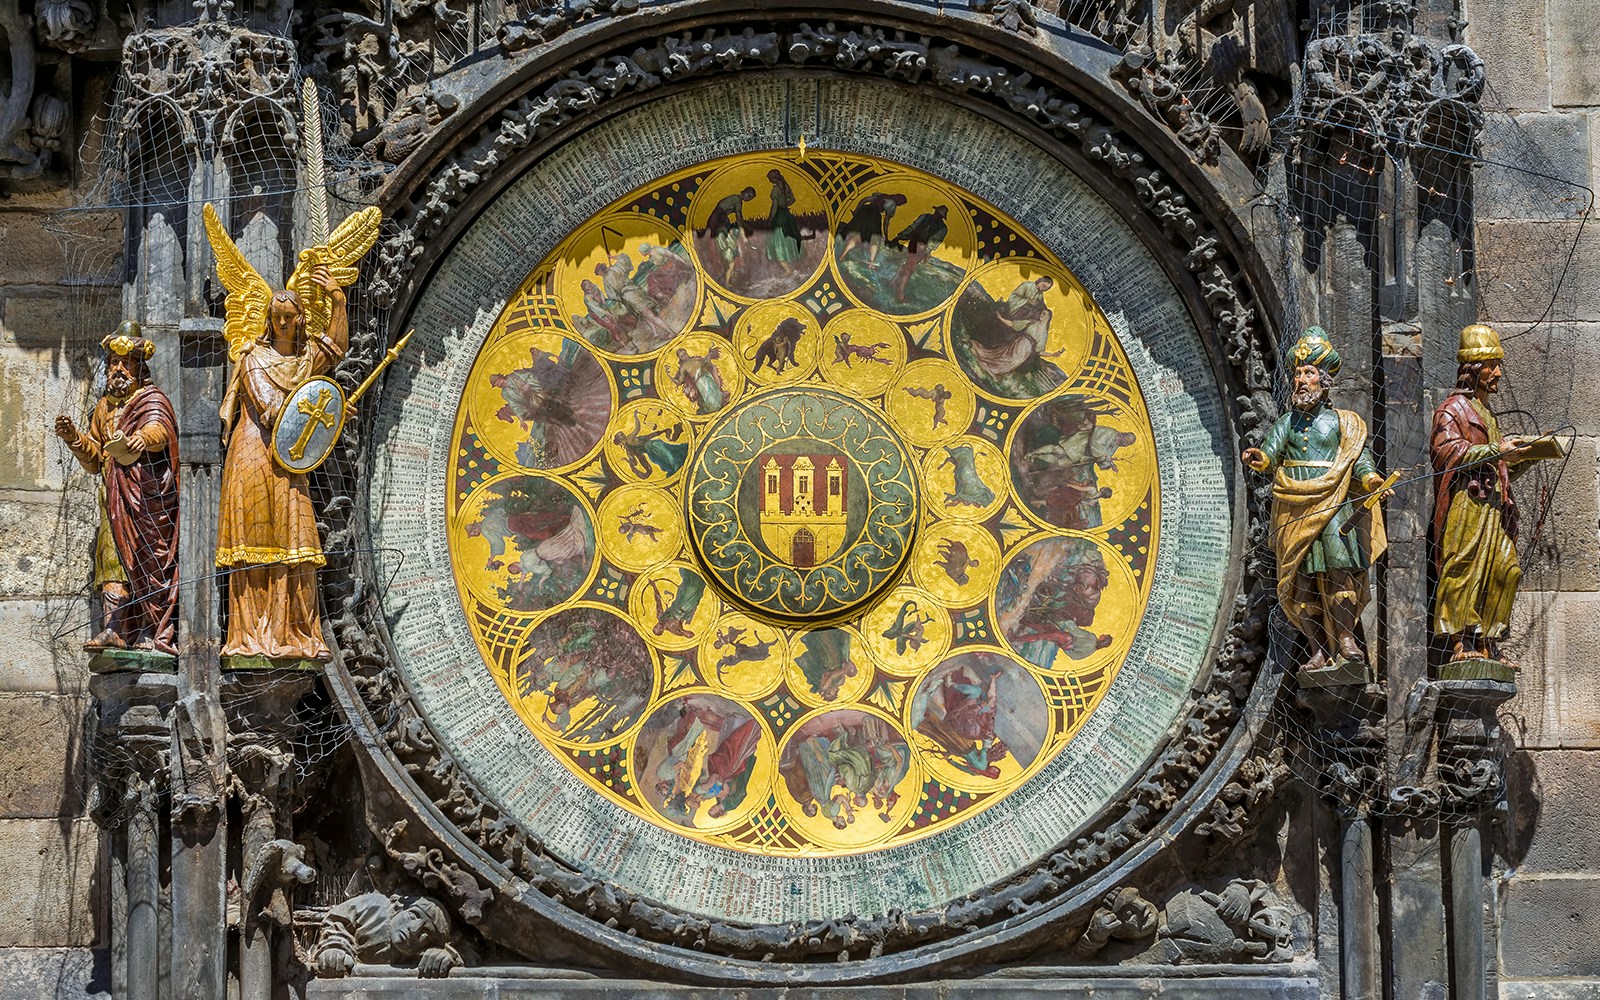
816	534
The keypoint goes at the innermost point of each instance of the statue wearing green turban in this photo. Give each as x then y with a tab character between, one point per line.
1323	534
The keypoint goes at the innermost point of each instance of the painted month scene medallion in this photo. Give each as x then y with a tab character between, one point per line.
803	507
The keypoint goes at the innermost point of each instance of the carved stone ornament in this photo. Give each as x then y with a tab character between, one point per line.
1244	921
212	79
379	929
1388	90
498	875
34	110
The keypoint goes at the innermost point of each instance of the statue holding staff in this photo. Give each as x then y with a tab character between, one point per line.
267	531
1327	528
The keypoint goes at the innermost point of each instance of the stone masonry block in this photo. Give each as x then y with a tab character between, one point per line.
1559	540
52	873
1577	682
1516	150
30	254
1550	927
1510	36
1532	718
1574	54
42	773
1549	989
34	387
74	319
1553	372
1561	839
55	973
1524	267
1554	637
40	644
49	542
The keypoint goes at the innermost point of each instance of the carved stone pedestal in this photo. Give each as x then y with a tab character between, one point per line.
1121	983
111	661
1478	670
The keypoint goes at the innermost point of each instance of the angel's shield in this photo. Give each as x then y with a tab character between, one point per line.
309	425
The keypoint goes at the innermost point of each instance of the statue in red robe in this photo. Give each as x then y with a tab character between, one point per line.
132	444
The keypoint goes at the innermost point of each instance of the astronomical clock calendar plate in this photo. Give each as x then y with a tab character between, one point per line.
803	505
775	535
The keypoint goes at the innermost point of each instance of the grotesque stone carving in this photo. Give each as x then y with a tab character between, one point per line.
33	112
277	866
1244	922
1240	802
1012	15
1475	515
411	123
1324	532
1154	80
1123	915
132	444
376	929
64	24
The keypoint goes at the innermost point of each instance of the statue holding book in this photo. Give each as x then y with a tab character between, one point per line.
131	443
1475	517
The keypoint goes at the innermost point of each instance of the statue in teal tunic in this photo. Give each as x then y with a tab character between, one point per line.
1325	532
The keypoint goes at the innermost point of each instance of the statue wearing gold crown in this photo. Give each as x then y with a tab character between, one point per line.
131	443
1327	527
1474	513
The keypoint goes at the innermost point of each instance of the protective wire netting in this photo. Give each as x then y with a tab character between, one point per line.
177	134
1355	181
1400	183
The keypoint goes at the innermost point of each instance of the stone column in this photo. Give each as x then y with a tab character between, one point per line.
135	732
1471	783
1349	750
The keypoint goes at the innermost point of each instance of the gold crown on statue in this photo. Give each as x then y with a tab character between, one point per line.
1479	343
127	340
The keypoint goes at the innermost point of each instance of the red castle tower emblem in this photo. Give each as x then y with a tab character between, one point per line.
804	500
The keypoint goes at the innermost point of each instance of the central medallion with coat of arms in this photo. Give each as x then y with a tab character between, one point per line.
802	503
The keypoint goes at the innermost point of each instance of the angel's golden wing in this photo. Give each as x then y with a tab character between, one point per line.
249	295
350	242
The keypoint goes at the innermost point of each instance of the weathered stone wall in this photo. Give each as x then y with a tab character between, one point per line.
1544	69
52	863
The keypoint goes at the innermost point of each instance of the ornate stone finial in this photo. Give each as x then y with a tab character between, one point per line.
1479	343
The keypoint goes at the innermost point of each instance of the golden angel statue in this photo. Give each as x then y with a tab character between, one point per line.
267	531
